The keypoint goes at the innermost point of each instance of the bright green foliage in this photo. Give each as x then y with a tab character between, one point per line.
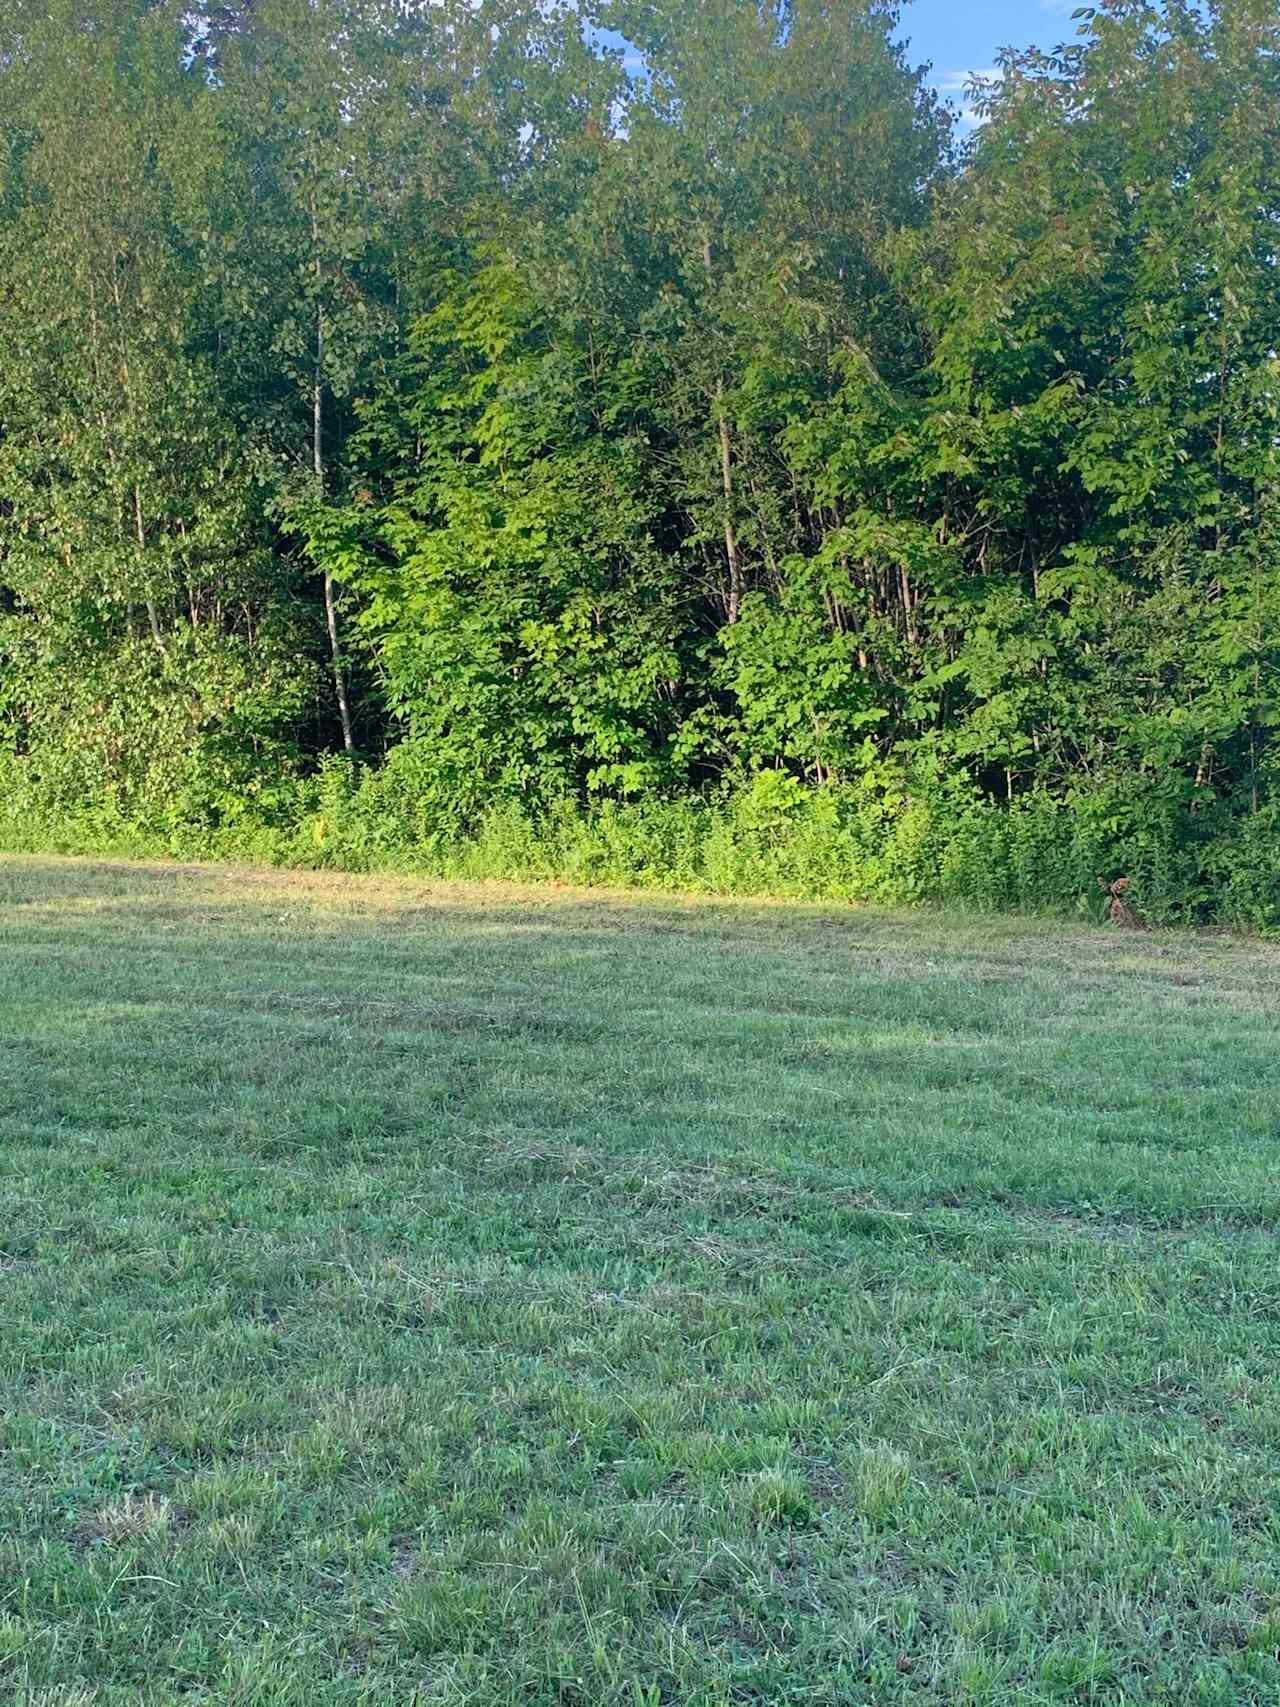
528	625
1103	437
585	440
145	645
586	491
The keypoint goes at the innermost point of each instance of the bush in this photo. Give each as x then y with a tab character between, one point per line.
885	838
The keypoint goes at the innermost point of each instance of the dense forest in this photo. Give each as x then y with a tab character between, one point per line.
647	441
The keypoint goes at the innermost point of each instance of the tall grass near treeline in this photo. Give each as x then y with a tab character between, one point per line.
885	838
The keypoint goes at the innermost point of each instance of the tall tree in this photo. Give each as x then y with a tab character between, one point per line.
351	143
1100	296
143	624
701	263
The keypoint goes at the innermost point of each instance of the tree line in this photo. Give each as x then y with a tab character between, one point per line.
430	416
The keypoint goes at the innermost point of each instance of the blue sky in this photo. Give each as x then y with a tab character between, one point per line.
959	37
962	36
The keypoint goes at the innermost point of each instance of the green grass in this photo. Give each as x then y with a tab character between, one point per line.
428	1294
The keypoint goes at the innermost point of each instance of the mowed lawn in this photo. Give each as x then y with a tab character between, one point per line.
433	1294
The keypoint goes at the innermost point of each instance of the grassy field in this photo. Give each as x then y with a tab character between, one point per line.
422	1294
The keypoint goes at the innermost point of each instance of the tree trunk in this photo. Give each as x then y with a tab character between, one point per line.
140	530
330	604
908	606
732	552
730	536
